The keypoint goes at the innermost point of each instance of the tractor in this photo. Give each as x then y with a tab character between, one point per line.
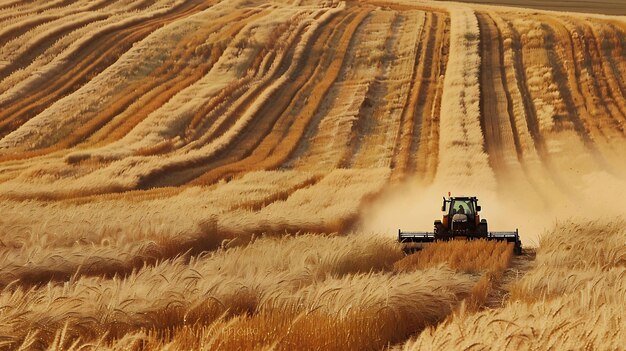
461	219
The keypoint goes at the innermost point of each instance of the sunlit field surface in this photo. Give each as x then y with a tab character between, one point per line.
199	175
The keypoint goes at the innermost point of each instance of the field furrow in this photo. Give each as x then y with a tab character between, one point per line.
206	175
375	137
423	149
496	104
252	144
88	60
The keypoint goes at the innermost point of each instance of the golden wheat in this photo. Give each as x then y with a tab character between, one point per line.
159	161
572	298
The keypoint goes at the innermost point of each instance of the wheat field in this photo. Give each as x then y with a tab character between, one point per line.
204	174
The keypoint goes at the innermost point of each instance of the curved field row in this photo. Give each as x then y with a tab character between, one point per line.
318	89
421	136
157	156
358	109
84	62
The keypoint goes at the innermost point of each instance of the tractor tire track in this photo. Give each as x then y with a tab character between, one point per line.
497	120
375	142
405	136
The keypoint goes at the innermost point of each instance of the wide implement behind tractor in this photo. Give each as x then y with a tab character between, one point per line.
461	219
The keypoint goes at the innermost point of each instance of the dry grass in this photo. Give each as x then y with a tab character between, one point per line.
461	138
465	256
573	298
292	117
487	260
353	313
179	292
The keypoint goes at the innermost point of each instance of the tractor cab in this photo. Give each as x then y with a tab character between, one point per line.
454	206
461	217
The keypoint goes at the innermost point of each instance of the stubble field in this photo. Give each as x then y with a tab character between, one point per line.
186	174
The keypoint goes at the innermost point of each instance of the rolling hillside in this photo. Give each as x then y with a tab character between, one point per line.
151	149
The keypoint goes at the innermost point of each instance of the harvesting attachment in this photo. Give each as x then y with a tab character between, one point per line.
461	219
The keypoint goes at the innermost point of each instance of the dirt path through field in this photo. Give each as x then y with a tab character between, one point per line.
499	292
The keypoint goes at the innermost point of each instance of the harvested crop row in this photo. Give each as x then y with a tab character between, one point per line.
162	111
373	139
151	168
607	118
462	161
514	79
207	118
567	76
17	26
420	139
496	106
604	45
614	53
160	85
85	61
286	133
70	44
327	137
30	8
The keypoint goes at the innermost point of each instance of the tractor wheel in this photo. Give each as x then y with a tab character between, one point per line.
439	231
518	248
482	228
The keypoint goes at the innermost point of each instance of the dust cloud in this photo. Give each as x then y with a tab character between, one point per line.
510	204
